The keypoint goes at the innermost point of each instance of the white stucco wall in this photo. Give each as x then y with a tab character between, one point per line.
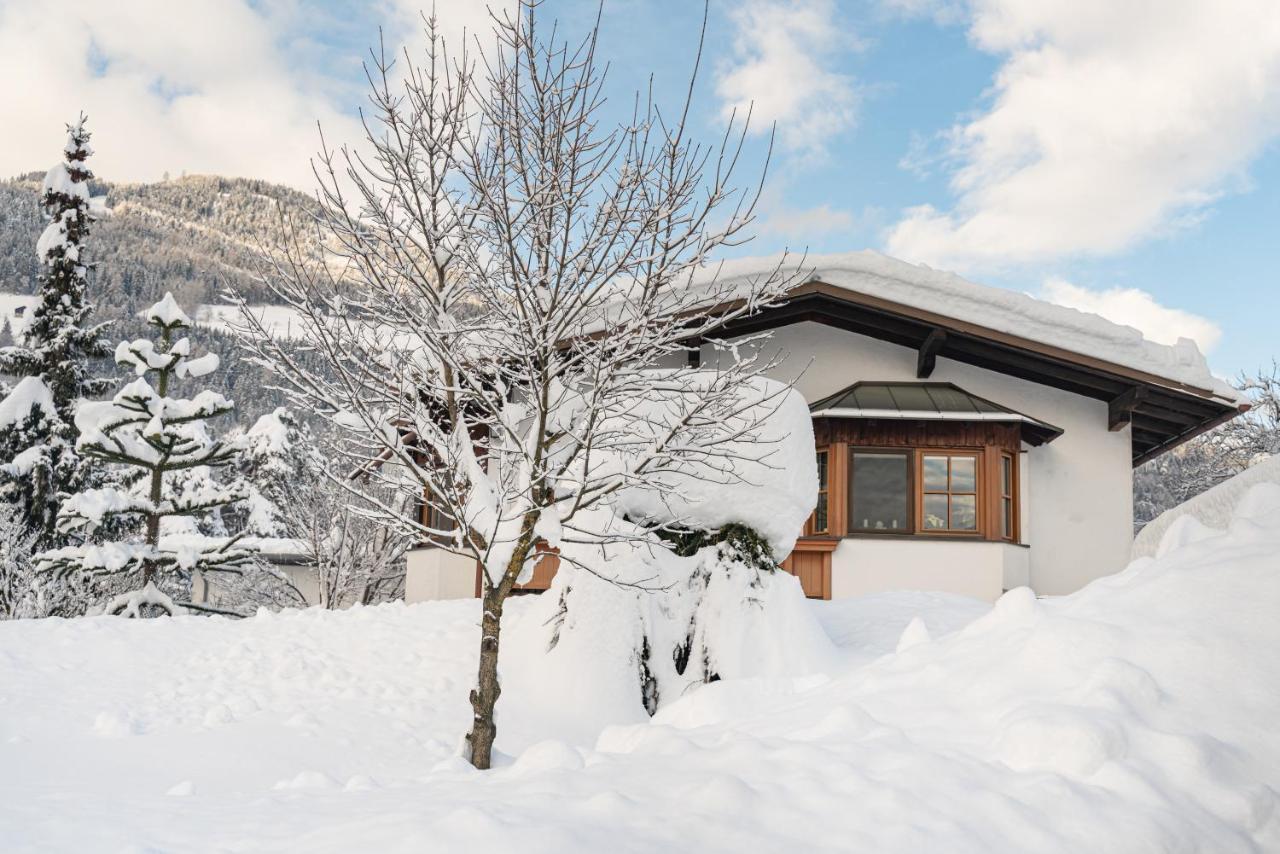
1077	491
437	574
980	569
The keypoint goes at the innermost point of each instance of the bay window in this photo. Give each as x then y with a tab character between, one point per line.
960	492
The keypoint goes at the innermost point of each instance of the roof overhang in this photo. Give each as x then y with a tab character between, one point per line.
1161	413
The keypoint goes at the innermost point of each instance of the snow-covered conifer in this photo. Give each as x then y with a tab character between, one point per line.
279	459
38	460
164	439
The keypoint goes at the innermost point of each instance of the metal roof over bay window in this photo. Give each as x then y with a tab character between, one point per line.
926	402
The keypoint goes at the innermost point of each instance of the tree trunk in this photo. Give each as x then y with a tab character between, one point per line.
153	524
484	697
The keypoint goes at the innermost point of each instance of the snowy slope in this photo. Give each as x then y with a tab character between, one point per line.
9	305
1136	715
280	320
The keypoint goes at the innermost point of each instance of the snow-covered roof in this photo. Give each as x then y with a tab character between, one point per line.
997	309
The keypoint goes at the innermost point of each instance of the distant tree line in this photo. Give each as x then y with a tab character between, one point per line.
1218	455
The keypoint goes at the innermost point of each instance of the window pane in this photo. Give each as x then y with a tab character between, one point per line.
822	470
1006	475
935	474
964	474
935	512
1006	518
820	513
880	492
964	512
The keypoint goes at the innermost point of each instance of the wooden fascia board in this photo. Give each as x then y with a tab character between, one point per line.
1188	435
950	324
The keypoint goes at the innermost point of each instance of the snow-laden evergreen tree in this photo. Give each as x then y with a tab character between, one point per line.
296	504
38	458
280	458
164	441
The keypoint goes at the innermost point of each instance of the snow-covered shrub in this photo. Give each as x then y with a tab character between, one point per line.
642	616
279	458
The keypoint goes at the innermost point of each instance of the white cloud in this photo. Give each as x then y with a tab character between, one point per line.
233	87
803	225
196	87
1109	122
780	50
1138	309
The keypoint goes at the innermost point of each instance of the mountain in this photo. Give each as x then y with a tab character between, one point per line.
195	236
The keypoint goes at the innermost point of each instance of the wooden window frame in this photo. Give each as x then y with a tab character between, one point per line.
908	453
979	530
811	528
1012	496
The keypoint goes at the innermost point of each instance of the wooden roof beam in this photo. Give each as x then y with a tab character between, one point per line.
1120	408
927	356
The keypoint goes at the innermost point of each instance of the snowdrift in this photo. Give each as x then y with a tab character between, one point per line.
1136	715
1214	507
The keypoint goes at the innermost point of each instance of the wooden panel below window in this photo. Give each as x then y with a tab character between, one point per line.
810	562
542	573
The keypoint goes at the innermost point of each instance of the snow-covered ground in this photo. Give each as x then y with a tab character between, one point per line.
280	320
1137	715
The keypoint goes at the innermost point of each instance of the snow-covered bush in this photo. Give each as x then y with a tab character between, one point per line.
637	618
296	503
170	451
279	458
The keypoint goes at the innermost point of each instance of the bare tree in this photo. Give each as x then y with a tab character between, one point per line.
1256	434
507	304
1218	455
18	585
352	557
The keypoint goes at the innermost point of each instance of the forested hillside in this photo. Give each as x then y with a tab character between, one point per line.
195	236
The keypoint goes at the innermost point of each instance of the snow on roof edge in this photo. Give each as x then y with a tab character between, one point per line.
1000	309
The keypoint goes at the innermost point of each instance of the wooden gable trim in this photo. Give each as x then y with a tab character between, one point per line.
941	322
1171	412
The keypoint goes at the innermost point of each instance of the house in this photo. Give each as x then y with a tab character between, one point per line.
968	439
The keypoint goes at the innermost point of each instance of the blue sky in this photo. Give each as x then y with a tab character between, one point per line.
1117	157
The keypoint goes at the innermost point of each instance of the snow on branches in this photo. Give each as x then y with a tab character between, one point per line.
513	292
38	461
147	429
